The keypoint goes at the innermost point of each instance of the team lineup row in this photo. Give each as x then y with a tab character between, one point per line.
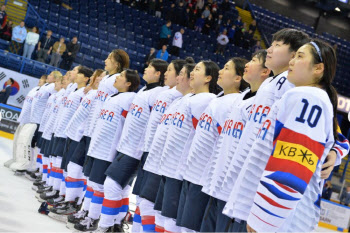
230	150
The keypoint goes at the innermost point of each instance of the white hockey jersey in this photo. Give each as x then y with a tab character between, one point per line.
226	146
105	89
109	126
133	135
39	102
75	127
181	134
161	104
52	119
152	163
291	146
24	116
207	132
49	104
71	105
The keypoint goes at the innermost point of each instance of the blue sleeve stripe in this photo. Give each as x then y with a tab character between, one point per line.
278	193
269	212
289	180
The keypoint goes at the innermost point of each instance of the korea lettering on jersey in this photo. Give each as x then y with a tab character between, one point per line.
39	102
105	89
24	116
109	126
53	114
133	135
71	105
161	104
227	144
46	114
75	127
152	163
207	132
287	198
181	134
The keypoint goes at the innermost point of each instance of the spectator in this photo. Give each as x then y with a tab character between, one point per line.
150	56
58	49
238	22
180	10
222	42
327	190
218	23
231	34
3	16
159	8
257	46
152	7
208	25
252	26
31	40
45	46
165	34
19	33
199	24
200	5
171	13
187	18
177	42
163	53
6	32
206	12
345	197
248	39
70	54
225	6
5	93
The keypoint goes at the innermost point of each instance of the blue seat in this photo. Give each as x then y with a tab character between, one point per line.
74	15
104	55
93	41
43	13
79	58
130	36
84	38
112	38
85	48
121	42
140	48
96	52
53	27
84	19
130	44
28	66
112	29
99	64
74	24
39	69
121	32
102	26
3	58
148	42
64	12
31	21
84	28
4	44
14	62
112	46
139	39
93	30
64	21
93	22
103	35
72	33
104	45
63	31
88	61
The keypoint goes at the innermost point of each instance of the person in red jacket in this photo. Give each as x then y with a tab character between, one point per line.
3	16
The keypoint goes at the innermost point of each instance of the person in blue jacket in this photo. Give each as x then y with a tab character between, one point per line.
163	53
19	34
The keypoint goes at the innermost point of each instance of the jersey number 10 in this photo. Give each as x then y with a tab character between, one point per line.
311	120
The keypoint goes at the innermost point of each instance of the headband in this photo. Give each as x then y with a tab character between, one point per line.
317	49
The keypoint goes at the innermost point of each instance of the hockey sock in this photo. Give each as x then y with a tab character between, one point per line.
75	181
96	201
159	220
147	216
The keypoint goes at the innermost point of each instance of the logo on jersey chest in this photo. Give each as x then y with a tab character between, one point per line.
136	110
55	110
29	99
205	121
102	96
233	128
263	130
86	103
68	104
38	95
258	113
178	119
106	115
159	106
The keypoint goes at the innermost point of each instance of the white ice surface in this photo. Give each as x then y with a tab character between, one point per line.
19	207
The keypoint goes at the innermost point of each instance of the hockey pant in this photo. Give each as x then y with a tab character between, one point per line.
115	204
136	226
14	147
23	149
75	182
214	220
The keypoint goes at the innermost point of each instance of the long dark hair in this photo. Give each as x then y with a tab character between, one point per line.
160	65
329	59
133	77
212	69
239	68
122	58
